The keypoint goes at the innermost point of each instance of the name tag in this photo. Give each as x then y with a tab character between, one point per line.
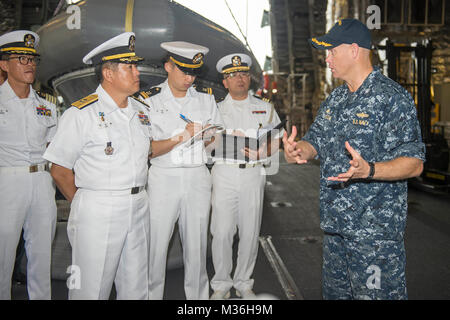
362	119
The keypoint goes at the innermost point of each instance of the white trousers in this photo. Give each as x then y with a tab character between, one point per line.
237	203
108	232
182	194
27	200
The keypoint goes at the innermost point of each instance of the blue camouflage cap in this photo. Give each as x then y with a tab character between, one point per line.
346	31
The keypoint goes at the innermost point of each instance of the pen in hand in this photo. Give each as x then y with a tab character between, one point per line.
185	119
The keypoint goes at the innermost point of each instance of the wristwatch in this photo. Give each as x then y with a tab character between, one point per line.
372	171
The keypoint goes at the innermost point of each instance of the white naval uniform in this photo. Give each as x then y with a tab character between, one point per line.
237	197
179	188
108	226
27	200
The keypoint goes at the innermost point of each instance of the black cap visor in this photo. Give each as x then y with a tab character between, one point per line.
190	71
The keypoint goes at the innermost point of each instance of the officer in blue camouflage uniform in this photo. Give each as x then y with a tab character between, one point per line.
367	137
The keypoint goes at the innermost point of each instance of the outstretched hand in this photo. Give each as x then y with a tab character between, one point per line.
292	152
359	168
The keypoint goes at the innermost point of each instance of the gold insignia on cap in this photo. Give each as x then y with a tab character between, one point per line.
236	61
321	43
29	40
198	58
132	43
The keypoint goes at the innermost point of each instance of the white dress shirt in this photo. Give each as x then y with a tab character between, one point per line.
26	126
83	135
247	116
166	123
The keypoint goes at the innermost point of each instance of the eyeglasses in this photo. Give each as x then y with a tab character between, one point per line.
235	74
26	60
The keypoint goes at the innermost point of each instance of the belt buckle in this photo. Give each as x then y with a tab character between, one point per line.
134	190
33	168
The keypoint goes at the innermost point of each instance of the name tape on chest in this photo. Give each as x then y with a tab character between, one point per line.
361	119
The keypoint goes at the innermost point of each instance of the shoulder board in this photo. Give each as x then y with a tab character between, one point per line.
84	102
47	97
220	99
148	93
203	89
261	98
139	100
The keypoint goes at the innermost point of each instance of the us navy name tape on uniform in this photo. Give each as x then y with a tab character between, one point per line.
379	121
187	56
19	42
234	62
121	49
364	221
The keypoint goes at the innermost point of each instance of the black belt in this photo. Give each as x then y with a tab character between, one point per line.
135	190
247	165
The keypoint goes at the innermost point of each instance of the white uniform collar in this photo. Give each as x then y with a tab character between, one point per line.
108	103
229	98
7	93
167	94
